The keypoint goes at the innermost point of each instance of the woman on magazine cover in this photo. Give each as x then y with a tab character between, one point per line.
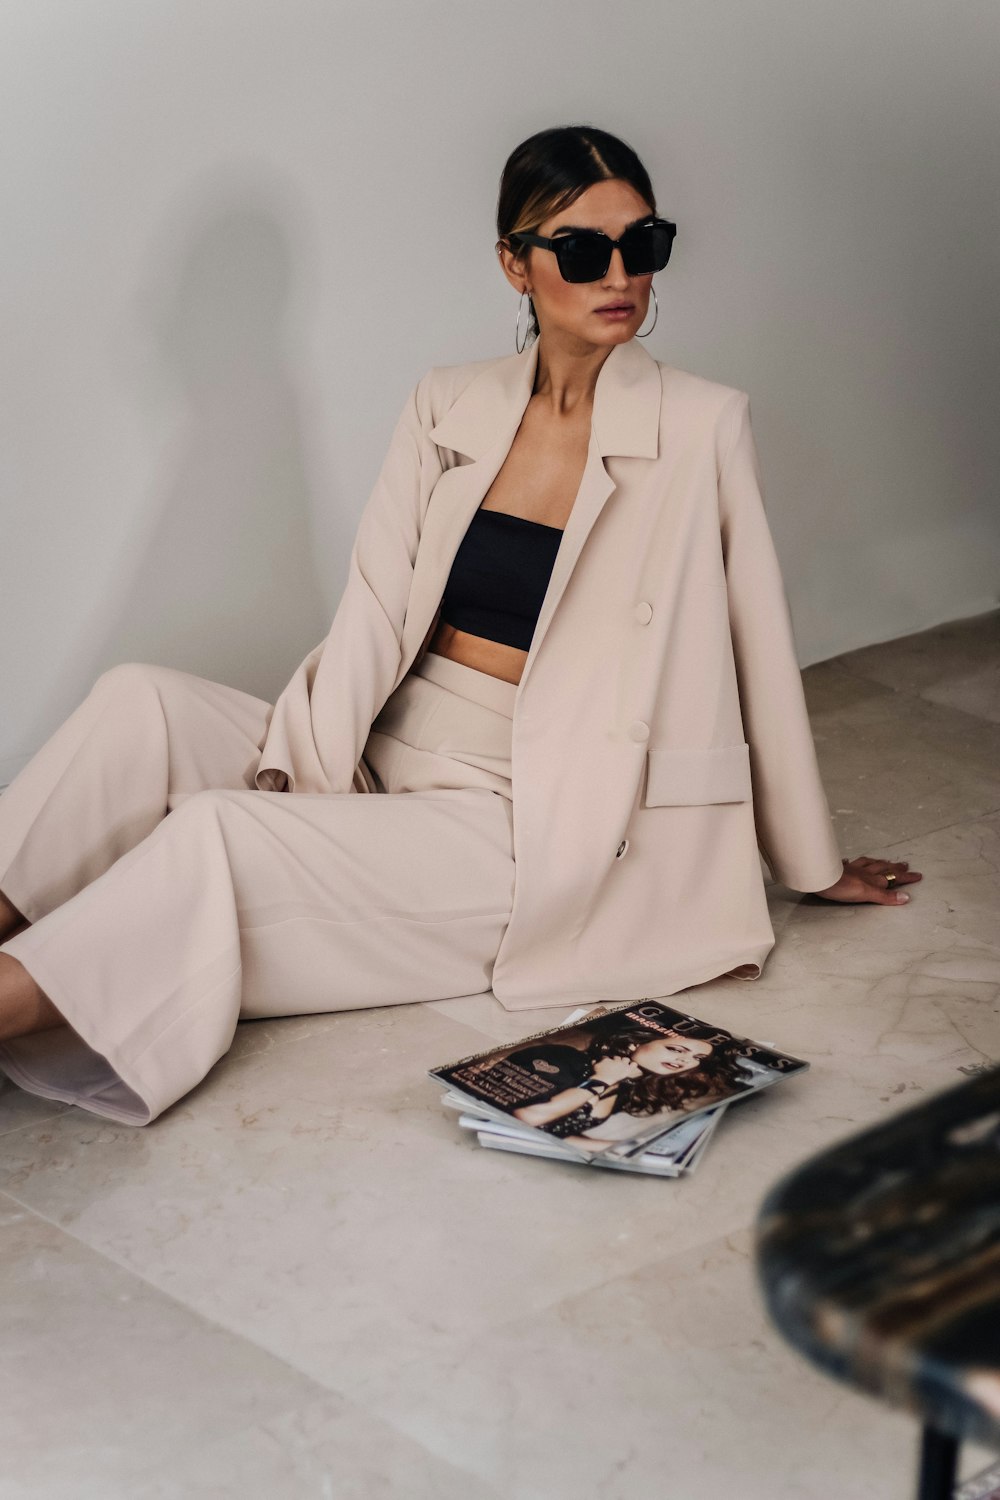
556	721
635	1070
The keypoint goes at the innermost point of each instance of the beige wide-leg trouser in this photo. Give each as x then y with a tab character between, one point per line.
169	898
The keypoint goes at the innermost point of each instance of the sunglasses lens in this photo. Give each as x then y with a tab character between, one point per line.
647	248
585	256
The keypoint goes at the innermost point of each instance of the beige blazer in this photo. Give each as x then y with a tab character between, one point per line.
660	734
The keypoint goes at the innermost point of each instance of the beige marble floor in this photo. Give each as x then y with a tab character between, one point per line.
302	1281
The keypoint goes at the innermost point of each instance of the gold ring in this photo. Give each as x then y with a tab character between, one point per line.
890	879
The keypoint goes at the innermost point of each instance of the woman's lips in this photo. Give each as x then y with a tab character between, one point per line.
615	312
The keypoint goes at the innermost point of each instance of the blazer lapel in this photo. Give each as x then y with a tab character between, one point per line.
481	425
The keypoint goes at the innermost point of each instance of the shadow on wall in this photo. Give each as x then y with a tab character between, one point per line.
217	575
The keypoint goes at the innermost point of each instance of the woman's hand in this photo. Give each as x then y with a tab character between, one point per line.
564	1103
614	1069
864	880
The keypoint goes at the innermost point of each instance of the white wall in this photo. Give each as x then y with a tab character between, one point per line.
237	231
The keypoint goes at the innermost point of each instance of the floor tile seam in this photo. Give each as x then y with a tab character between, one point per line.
723	1238
835	664
827	721
148	1485
38	1120
972	822
151	1489
856	674
380	1404
887	690
952	708
318	1388
917	697
23	1207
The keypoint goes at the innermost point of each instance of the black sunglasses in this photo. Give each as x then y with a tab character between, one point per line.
585	254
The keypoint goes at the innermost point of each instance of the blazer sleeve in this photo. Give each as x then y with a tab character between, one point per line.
321	721
794	828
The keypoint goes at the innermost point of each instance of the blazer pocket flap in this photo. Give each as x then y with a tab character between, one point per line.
697	776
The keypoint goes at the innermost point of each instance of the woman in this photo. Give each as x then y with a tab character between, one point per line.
635	1071
158	882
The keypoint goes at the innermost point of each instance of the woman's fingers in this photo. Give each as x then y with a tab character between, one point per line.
866	862
886	896
869	868
864	879
869	885
873	873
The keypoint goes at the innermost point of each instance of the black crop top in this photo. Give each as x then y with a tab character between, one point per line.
499	577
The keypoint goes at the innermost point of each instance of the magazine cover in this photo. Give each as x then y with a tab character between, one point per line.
612	1083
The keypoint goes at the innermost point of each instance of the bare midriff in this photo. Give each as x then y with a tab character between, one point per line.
478	652
538	480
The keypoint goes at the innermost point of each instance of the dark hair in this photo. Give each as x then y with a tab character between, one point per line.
652	1092
548	171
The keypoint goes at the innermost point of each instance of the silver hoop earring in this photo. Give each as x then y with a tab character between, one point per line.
656	314
517	323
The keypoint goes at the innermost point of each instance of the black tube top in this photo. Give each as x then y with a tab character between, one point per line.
499	577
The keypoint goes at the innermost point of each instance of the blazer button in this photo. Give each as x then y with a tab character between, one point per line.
622	847
638	730
644	612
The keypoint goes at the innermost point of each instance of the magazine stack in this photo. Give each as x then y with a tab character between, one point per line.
639	1087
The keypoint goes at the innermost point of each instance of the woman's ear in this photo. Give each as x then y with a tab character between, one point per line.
514	262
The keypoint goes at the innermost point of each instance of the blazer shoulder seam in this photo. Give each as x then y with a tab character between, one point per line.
738	403
717	401
722	392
